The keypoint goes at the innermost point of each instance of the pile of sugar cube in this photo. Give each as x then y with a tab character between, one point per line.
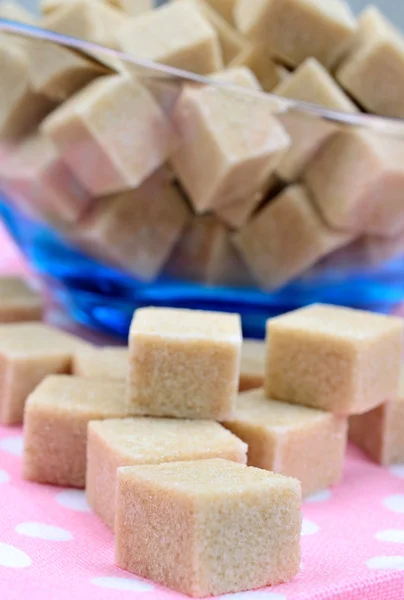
160	433
219	183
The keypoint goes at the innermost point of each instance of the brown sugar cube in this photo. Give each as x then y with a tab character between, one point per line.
112	134
230	144
136	230
18	301
231	41
285	238
57	73
234	215
312	83
293	440
124	442
216	526
184	363
379	432
91	21
176	34
327	26
206	254
252	365
28	353
225	8
357	182
102	363
338	359
20	108
55	426
35	172
372	72
259	61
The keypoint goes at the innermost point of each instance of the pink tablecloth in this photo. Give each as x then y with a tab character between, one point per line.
53	548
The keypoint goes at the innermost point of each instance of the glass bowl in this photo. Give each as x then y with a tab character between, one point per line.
108	234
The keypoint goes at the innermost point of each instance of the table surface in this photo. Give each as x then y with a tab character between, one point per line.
52	547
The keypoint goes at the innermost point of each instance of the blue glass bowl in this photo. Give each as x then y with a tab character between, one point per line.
104	297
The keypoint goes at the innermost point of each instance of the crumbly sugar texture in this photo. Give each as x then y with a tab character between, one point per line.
379	432
55	426
184	363
285	238
124	442
293	440
252	366
328	27
108	362
28	353
208	527
357	182
230	144
112	134
372	71
341	360
19	301
176	34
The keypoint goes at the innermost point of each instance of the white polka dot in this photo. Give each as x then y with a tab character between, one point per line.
122	583
44	532
397	470
391	535
13	445
394	563
319	496
4	476
395	503
73	499
13	557
253	596
309	527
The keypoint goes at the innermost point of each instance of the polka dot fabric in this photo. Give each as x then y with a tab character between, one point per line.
51	546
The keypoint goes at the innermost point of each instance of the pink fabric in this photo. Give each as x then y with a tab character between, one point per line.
52	547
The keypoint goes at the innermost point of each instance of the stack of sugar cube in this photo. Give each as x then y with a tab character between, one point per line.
154	457
215	183
159	434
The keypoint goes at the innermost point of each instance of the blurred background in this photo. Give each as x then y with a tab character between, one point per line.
393	9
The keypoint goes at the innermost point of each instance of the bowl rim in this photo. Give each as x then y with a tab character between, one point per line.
390	126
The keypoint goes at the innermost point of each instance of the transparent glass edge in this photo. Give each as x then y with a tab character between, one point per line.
383	125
